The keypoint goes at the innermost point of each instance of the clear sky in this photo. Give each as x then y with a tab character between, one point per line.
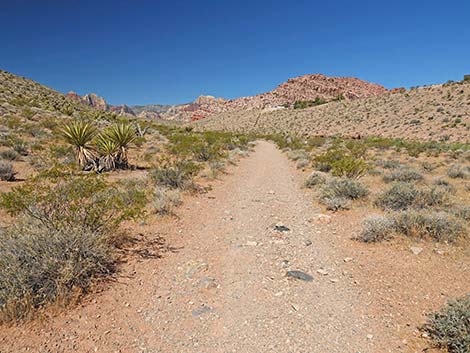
139	52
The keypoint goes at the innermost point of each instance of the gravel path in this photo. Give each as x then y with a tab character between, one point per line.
225	287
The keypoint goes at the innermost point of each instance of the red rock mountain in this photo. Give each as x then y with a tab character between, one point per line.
307	87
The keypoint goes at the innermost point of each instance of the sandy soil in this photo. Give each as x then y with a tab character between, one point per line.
214	280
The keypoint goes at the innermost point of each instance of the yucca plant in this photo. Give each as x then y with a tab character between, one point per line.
122	135
80	134
108	150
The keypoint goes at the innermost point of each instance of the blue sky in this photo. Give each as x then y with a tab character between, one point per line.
139	52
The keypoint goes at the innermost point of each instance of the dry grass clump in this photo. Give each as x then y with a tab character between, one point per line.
6	171
449	328
405	174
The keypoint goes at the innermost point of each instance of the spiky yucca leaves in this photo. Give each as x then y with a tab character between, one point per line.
108	150
122	135
80	134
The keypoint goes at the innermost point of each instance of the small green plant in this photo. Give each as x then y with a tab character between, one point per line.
449	328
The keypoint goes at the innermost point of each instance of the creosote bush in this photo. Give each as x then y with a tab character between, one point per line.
449	328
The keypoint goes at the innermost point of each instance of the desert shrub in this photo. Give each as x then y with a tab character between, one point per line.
296	155
403	174
165	200
388	164
404	195
349	167
314	179
6	171
428	166
302	163
9	155
344	188
87	202
376	228
399	197
39	265
177	174
458	171
449	328
336	203
439	226
343	159
445	184
463	212
431	197
216	167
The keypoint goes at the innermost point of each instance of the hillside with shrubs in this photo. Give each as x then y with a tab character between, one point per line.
438	112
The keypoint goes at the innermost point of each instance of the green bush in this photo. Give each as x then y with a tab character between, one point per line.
449	328
175	174
349	167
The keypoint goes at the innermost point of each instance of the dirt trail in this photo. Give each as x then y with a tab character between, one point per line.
224	287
